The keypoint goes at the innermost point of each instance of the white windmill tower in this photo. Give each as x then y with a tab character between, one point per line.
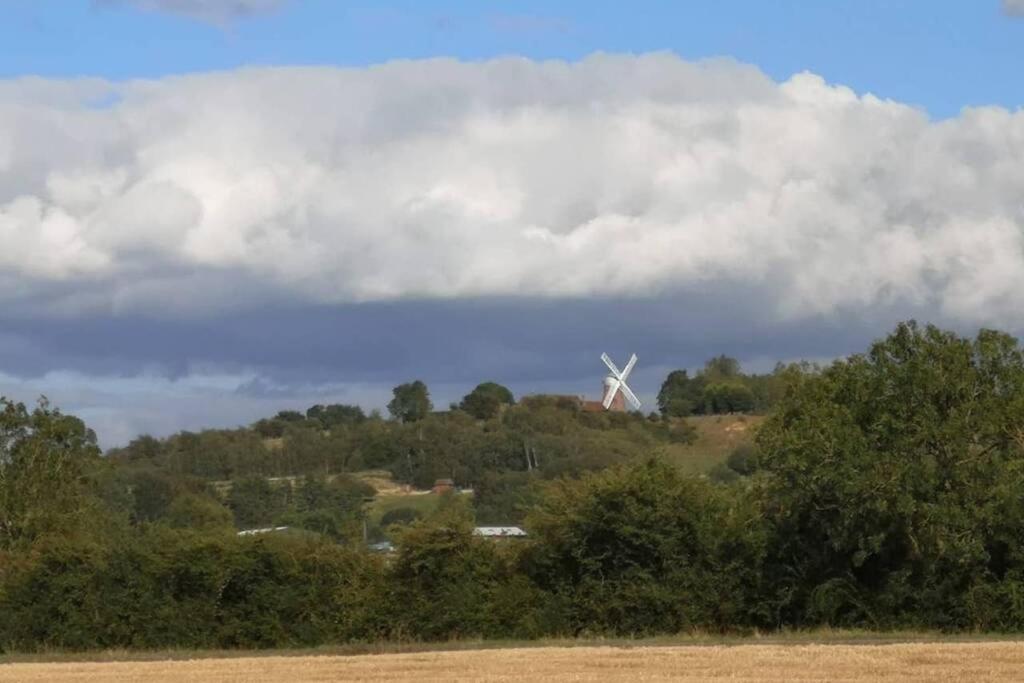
615	387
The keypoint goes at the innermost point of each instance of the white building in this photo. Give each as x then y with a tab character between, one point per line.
253	532
499	532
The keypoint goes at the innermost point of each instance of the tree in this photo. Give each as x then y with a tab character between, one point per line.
486	400
255	502
411	402
445	580
721	368
402	516
152	492
270	428
643	549
727	397
887	482
44	456
679	395
335	414
196	511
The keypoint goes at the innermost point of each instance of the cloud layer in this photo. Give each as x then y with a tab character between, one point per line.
211	248
615	176
213	11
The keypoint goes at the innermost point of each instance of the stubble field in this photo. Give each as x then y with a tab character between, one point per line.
967	661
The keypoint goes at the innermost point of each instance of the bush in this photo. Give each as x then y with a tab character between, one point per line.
682	432
194	511
722	474
743	459
642	549
400	516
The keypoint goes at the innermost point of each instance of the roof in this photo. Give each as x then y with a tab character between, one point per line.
267	530
498	531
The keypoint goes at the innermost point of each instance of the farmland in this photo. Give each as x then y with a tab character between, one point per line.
920	661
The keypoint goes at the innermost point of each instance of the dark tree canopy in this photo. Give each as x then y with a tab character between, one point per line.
721	368
486	400
335	414
727	397
722	387
411	402
679	395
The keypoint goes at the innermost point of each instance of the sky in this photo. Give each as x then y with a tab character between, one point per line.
212	210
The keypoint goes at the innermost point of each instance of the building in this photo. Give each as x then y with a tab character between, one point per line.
499	532
444	486
267	530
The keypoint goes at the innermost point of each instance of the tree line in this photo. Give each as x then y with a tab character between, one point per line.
488	442
884	491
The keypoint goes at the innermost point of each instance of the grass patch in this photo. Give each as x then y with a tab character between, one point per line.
717	436
423	503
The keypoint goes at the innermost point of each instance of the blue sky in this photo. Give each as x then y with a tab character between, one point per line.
212	210
938	54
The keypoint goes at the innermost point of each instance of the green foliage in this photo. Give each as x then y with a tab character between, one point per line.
743	459
502	499
256	502
201	512
334	415
152	492
727	397
447	583
887	473
722	387
178	589
723	474
681	431
44	456
411	402
486	400
883	491
722	368
401	516
643	550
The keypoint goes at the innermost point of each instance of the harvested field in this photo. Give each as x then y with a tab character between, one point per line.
968	661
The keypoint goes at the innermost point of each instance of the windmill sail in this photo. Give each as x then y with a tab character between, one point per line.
616	382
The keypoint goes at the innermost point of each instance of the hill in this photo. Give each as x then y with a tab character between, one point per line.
716	437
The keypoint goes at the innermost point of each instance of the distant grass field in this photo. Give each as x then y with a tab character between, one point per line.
424	503
810	657
717	436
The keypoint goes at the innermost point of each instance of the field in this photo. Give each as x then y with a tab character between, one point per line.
717	436
868	661
423	503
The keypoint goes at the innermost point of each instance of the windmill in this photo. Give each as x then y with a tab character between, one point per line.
615	384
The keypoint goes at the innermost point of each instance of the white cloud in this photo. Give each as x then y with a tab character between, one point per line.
213	11
614	176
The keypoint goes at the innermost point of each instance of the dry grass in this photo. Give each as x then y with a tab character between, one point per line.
717	436
964	661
